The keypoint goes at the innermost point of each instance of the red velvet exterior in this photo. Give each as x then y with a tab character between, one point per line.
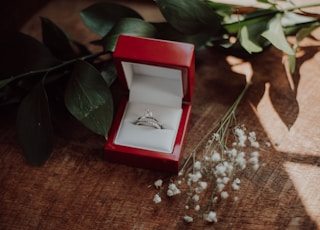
158	53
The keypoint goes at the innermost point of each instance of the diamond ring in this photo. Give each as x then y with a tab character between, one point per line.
148	120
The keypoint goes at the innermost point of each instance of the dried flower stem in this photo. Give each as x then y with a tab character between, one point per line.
222	128
225	150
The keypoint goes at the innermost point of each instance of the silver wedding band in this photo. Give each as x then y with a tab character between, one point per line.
148	120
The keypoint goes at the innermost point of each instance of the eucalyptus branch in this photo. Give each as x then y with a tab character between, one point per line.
51	69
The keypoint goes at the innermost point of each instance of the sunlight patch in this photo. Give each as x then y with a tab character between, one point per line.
306	179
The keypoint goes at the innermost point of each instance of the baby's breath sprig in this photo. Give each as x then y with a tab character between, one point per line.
219	133
212	166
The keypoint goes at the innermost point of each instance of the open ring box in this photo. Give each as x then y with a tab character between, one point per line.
159	77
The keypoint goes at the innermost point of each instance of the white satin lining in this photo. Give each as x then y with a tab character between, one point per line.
159	90
149	138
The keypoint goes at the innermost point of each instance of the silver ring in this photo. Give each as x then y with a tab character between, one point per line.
148	120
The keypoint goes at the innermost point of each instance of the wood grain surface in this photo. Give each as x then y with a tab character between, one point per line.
78	189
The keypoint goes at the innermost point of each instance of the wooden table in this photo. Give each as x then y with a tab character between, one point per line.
78	189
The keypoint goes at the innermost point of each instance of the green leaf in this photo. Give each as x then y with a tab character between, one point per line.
223	9
6	81
292	63
257	16
250	36
293	22
56	40
22	53
128	26
190	16
272	2
109	72
101	17
304	32
167	32
34	126
294	29
291	19
276	35
89	99
247	42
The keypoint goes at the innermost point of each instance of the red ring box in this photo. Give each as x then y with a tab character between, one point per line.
159	77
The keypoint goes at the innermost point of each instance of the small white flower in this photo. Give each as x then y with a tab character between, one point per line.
242	137
241	154
237	180
216	137
224	195
188	219
220	170
235	187
235	184
215	157
225	180
173	187
252	135
253	140
253	160
229	167
211	217
239	132
197	165
170	193
195	198
194	177
156	199
255	154
232	152
197	208
220	187
236	198
203	185
242	143
255	144
240	160
172	190
255	167
158	183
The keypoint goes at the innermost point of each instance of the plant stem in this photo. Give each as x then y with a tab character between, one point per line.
224	120
50	69
302	6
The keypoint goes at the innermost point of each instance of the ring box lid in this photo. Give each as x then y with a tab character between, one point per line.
171	62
